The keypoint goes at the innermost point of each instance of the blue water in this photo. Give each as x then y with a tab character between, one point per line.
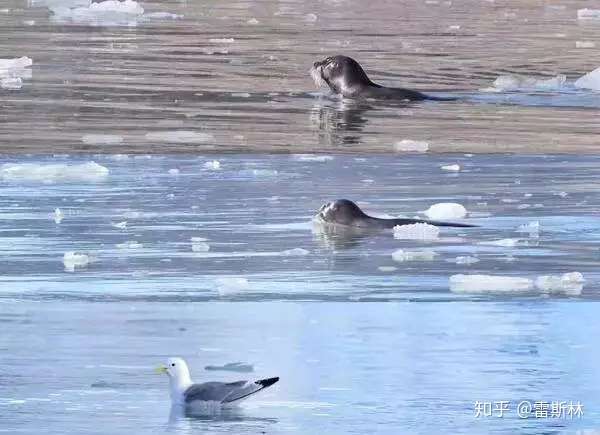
358	349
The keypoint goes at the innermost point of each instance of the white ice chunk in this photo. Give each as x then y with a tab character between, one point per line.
588	14
420	231
221	40
295	252
106	12
174	171
411	146
507	243
387	268
446	210
231	284
213	165
71	260
585	44
52	173
524	83
199	244
466	260
102	139
310	18
252	21
179	136
532	228
120	225
589	81
130	244
312	158
569	283
454	168
13	71
422	255
259	173
58	215
163	16
490	284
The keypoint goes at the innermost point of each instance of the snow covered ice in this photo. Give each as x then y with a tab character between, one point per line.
14	71
53	173
589	81
418	231
446	210
411	146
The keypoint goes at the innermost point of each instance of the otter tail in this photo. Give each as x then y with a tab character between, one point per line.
435	223
433	98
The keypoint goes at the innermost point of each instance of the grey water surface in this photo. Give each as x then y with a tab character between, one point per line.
238	71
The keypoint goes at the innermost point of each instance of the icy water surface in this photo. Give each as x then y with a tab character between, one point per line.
236	73
218	261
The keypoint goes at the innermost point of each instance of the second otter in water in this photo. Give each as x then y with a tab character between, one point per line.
346	77
347	213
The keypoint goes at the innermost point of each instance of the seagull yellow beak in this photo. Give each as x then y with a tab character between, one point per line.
161	369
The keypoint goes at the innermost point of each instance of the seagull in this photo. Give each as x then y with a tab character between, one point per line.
185	393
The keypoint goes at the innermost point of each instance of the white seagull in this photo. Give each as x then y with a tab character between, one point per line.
185	393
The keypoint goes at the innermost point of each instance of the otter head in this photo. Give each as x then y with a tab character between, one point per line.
342	74
342	212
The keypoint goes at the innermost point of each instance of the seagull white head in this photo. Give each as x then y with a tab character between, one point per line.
179	377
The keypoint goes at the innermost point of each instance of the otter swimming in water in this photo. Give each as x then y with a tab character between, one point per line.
347	213
346	77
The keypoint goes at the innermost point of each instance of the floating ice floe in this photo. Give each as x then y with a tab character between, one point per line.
14	71
72	260
53	173
239	367
108	12
387	268
162	16
310	18
173	171
130	244
585	44
295	252
507	243
120	225
259	173
589	81
58	215
519	83
489	283
312	158
102	139
419	231
213	165
231	284
221	40
199	244
532	228
451	168
179	136
446	210
588	14
411	146
570	284
401	255
467	259
252	21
